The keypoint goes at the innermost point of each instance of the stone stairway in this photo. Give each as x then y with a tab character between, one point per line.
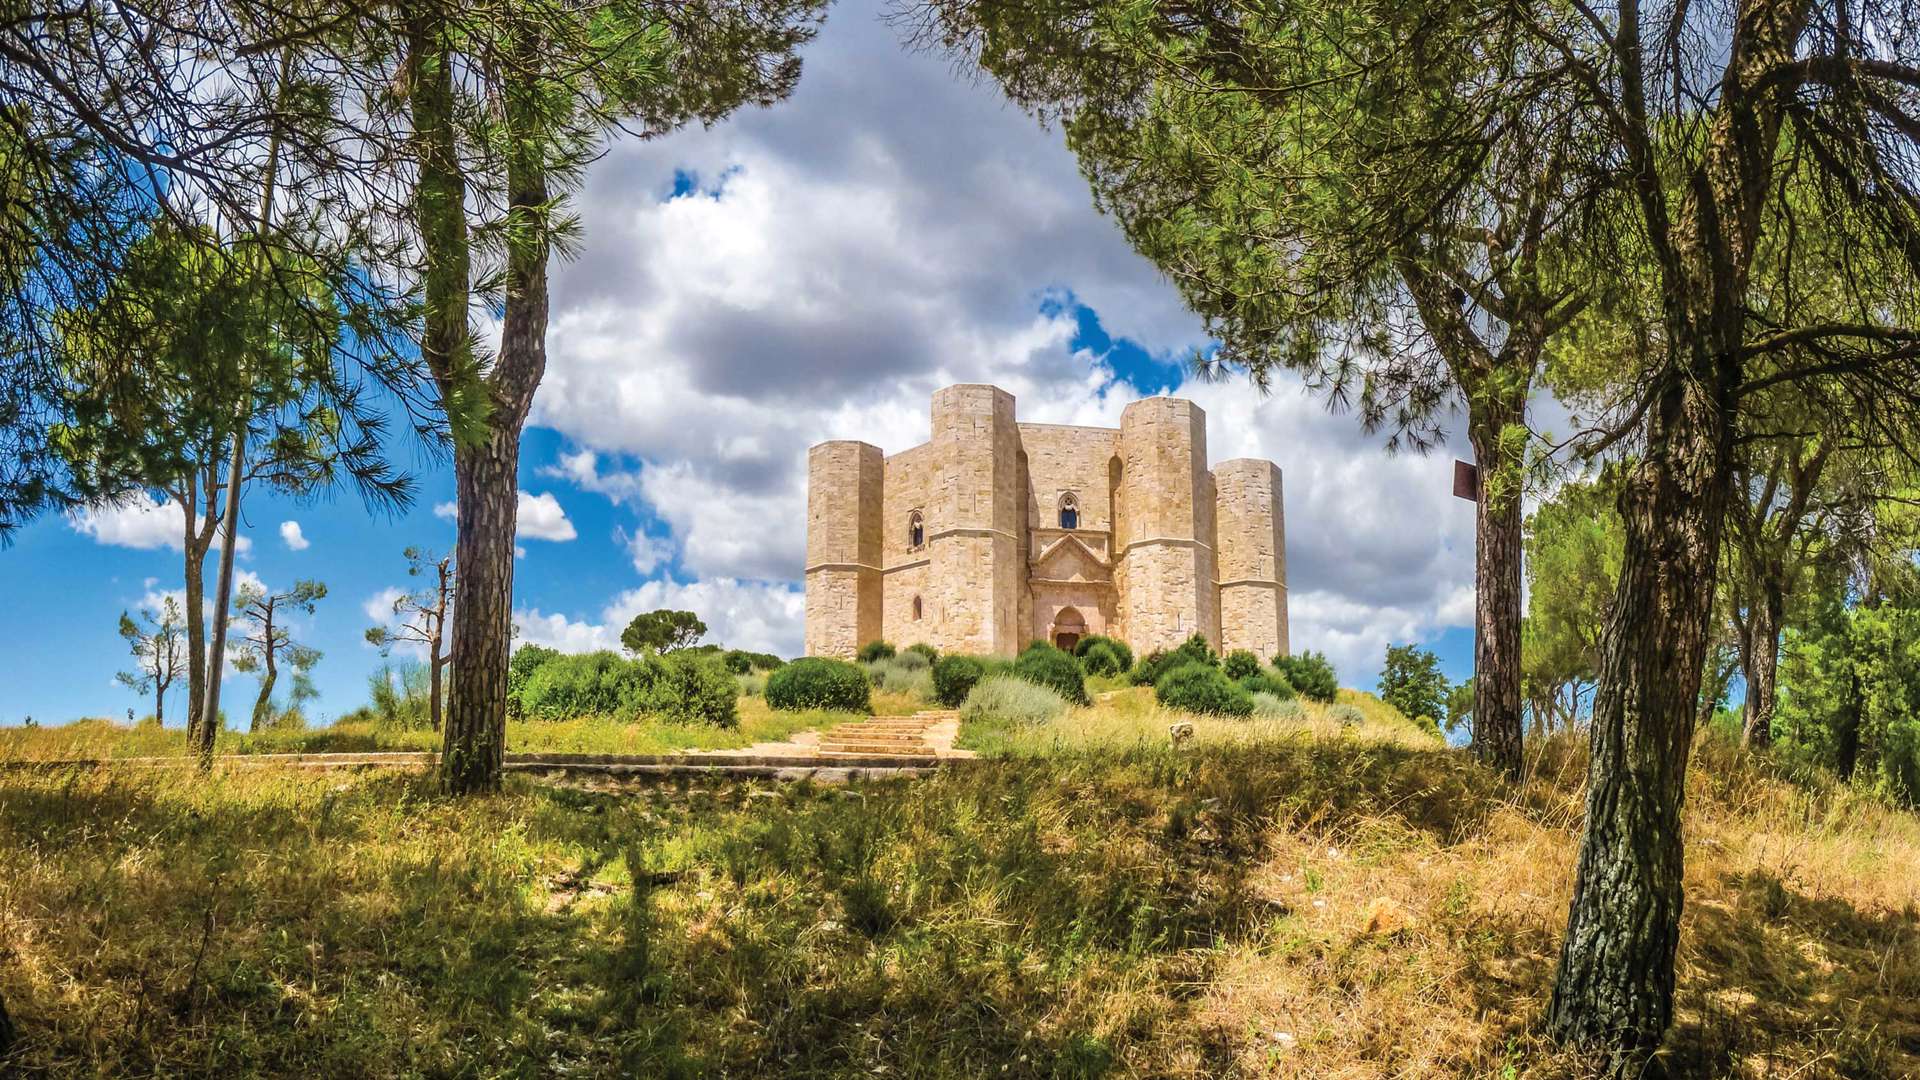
902	736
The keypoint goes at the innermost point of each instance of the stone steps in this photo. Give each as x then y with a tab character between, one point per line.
904	736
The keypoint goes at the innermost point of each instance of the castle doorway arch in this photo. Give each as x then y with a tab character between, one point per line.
1068	628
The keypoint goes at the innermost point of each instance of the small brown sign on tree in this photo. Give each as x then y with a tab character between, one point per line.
1466	481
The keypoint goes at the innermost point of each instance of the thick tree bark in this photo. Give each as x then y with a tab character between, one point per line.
1614	990
263	705
1761	657
487	474
486	479
1497	720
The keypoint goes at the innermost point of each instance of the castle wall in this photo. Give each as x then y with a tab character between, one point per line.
977	567
843	592
909	487
1162	547
1164	574
1252	556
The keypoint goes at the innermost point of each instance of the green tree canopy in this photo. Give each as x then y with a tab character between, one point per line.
662	631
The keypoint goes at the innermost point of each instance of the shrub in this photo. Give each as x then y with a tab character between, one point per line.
400	696
921	648
955	676
1347	715
752	684
1268	681
1202	688
587	684
1102	660
1151	667
1311	674
693	690
901	676
1120	649
875	650
741	662
527	659
1044	665
913	660
815	682
1268	707
1003	697
1198	648
1239	664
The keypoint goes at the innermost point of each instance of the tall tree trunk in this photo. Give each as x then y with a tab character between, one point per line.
1614	988
434	664
223	594
263	705
195	568
1763	658
487	474
1846	736
486	479
1497	721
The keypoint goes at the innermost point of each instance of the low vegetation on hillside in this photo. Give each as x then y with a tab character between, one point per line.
1300	900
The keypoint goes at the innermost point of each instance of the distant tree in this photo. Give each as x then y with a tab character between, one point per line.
263	618
157	652
1460	706
662	631
421	617
1573	546
186	352
1411	681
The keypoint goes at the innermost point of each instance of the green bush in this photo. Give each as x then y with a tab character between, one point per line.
1102	660
527	659
912	660
921	648
1120	649
1268	707
1268	681
955	676
1239	664
741	662
693	690
902	676
586	684
1202	688
1044	665
875	650
1151	667
1003	697
1347	715
752	684
815	682
1311	674
1199	649
401	696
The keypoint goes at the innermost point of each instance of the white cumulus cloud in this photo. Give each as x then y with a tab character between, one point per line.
146	522
294	538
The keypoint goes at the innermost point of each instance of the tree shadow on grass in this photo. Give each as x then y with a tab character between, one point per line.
1029	918
1780	982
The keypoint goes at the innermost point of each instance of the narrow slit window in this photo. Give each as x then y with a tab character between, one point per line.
916	609
916	534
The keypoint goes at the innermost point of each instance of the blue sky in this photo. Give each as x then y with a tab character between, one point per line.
807	272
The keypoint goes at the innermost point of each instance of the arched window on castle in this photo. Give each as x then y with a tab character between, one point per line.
1069	511
916	532
916	609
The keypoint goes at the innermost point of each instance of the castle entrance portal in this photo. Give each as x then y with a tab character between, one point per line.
1068	628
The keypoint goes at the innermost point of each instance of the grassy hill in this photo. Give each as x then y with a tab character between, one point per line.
1274	899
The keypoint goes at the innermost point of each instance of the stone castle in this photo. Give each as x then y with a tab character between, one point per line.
995	533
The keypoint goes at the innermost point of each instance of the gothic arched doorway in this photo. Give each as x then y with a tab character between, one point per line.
1068	628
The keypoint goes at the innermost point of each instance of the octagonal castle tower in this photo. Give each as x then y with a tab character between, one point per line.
994	533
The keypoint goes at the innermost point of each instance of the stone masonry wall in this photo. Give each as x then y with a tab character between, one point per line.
1252	557
844	485
1171	547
